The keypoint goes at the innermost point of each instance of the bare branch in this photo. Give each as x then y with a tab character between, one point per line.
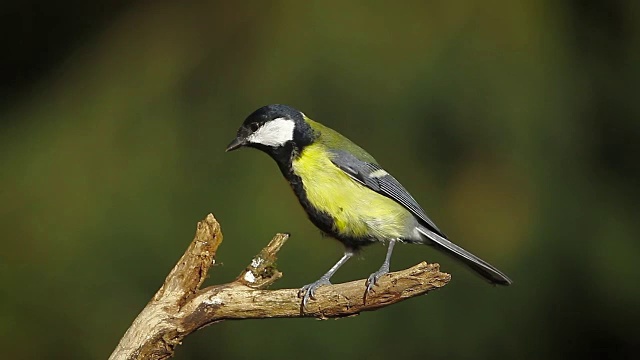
180	307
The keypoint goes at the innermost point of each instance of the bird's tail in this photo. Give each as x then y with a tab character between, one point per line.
480	266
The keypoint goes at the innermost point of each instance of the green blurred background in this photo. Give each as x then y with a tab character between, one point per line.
514	124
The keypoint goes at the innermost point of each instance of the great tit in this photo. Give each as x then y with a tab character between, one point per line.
344	191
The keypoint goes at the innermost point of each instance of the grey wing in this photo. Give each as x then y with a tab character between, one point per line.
380	181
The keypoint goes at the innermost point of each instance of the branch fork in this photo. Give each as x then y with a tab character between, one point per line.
181	307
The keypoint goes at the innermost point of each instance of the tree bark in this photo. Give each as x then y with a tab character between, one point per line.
180	307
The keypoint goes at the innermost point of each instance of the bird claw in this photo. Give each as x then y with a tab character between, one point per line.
372	280
308	291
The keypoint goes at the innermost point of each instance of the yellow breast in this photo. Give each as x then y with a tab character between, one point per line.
357	210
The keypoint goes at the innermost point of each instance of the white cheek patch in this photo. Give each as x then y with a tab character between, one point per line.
273	133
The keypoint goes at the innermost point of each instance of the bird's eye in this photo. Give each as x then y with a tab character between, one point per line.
253	126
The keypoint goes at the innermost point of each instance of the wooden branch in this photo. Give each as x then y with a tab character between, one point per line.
180	307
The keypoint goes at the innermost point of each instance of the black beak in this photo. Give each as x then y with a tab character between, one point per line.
235	144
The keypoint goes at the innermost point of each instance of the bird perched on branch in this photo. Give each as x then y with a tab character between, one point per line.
344	191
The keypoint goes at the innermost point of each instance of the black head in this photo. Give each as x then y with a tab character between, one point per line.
273	128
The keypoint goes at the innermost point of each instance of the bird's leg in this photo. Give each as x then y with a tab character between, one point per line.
373	278
308	291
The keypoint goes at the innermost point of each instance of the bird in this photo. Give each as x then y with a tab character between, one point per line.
345	192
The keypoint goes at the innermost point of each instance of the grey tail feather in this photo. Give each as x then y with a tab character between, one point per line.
480	266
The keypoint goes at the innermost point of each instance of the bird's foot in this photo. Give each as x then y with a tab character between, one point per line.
373	278
308	291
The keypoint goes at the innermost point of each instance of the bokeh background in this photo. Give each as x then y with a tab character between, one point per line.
514	124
